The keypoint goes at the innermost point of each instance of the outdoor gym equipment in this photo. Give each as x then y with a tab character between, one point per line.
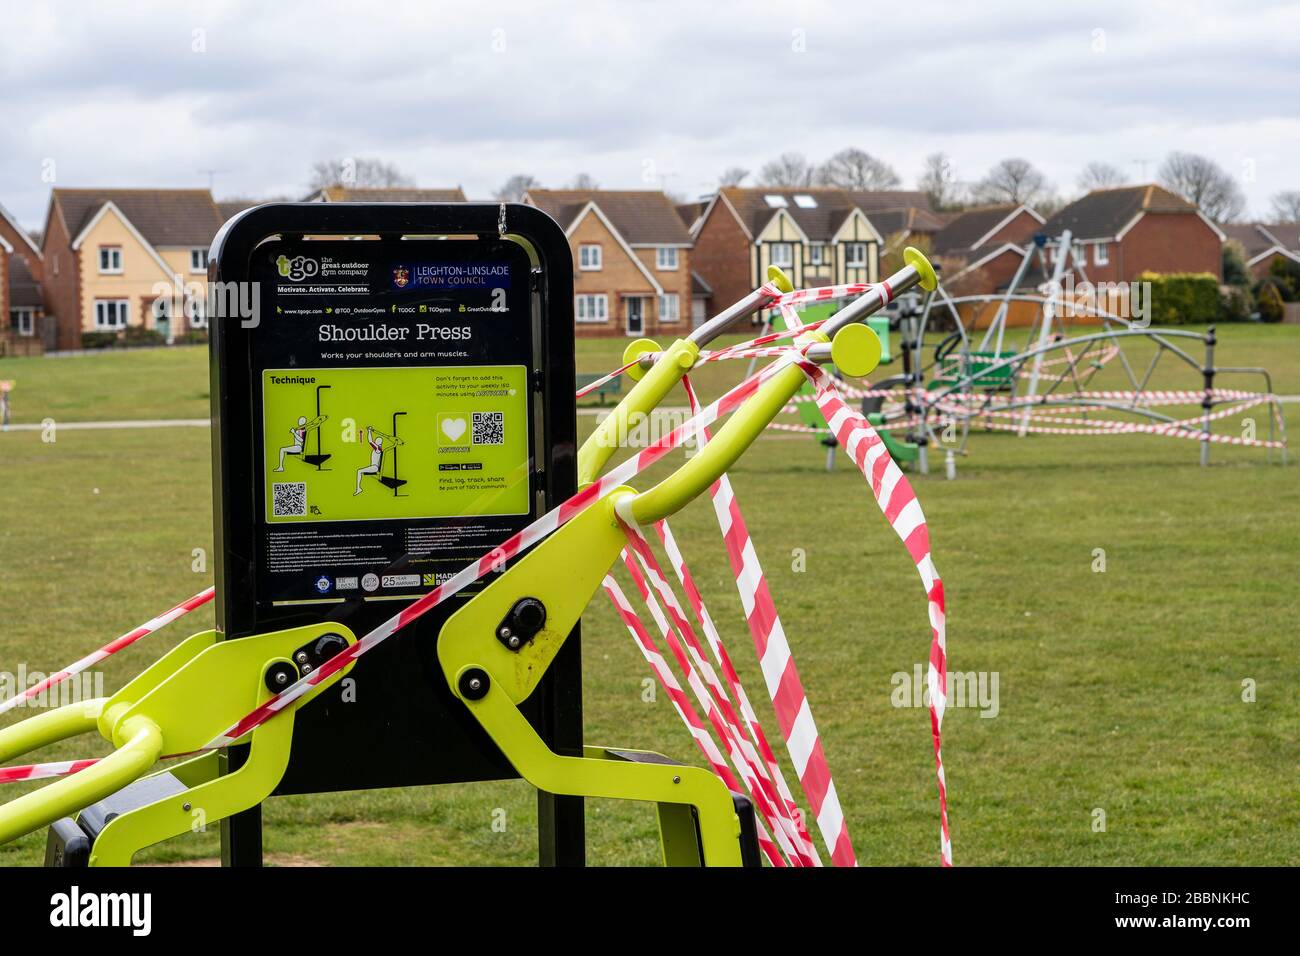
319	458
485	682
392	481
1048	386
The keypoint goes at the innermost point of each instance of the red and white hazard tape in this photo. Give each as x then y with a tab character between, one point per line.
899	504
689	715
109	649
38	771
780	674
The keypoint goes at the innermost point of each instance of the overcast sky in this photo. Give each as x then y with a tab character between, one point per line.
639	95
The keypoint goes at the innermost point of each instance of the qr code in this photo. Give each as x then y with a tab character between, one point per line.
489	428
289	499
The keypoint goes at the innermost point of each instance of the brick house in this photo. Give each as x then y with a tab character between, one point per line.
119	258
632	260
819	236
22	310
1121	233
1264	243
980	249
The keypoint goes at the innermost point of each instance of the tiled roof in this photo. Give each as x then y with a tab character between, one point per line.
691	211
1103	213
699	286
23	289
229	208
642	216
165	217
1258	237
911	220
388	194
823	216
969	227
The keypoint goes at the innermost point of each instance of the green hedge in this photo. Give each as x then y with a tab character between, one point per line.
1183	298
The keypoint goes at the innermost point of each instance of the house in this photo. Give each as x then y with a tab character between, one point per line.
385	194
1121	233
906	226
632	260
819	236
119	258
1264	243
980	249
22	312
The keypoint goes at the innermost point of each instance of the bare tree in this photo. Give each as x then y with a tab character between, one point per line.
361	173
513	189
1013	181
790	170
938	180
855	169
733	176
1286	206
583	181
1098	175
1204	183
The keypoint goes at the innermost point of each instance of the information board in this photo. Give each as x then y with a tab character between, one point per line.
393	397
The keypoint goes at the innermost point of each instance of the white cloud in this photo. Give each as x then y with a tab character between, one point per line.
116	94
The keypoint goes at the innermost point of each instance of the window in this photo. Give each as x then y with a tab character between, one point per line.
817	254
23	321
592	308
775	202
110	314
589	258
782	254
855	254
110	259
670	308
198	260
666	258
804	201
1101	254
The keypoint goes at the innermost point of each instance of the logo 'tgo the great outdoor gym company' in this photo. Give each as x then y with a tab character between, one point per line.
297	268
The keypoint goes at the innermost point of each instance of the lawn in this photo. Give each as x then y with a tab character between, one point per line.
1119	691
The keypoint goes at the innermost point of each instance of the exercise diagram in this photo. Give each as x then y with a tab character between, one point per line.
299	433
379	444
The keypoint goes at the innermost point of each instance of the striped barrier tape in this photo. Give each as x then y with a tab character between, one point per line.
689	715
109	649
706	704
901	508
781	676
752	722
713	698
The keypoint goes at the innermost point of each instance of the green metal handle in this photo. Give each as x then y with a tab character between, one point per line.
740	431
139	751
50	727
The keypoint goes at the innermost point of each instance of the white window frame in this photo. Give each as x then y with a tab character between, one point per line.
591	257
110	270
670	308
667	259
23	320
199	256
849	261
1101	254
785	262
817	254
122	308
591	307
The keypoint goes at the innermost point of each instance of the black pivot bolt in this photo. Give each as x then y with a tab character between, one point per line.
474	684
280	675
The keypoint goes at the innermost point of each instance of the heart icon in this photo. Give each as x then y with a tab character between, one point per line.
453	428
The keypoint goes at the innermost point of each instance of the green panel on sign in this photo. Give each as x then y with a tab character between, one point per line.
349	444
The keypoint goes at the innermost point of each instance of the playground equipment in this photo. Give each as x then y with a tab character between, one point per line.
484	682
1049	385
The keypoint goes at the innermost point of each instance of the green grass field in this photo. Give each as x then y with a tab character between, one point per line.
1119	691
